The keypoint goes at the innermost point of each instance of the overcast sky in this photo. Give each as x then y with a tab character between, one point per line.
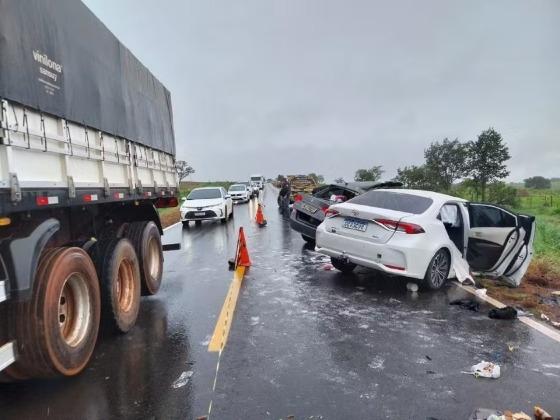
299	86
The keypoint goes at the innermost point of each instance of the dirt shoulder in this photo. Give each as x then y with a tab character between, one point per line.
536	292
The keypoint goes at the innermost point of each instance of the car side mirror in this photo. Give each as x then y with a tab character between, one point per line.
228	196
183	198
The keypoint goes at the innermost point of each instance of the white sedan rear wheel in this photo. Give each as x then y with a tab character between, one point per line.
438	270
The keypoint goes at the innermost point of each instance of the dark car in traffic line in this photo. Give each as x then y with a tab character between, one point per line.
309	210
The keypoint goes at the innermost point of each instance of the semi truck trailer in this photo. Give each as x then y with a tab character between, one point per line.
87	156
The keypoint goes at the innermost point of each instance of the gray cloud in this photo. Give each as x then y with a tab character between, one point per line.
329	86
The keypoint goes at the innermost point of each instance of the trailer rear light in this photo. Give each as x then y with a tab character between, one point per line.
409	228
148	194
298	197
45	200
166	202
394	267
331	213
118	195
90	197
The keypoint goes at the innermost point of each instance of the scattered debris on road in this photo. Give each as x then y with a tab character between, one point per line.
507	313
470	304
541	414
182	380
412	287
485	370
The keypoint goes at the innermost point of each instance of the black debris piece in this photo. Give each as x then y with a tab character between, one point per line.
503	313
470	304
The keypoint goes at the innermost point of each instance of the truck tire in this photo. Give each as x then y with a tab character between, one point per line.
147	242
56	329
120	284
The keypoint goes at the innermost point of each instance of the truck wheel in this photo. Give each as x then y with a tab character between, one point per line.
147	242
57	328
120	284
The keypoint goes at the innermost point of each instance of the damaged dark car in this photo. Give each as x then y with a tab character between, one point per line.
308	211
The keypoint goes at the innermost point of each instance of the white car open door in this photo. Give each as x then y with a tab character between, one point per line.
500	243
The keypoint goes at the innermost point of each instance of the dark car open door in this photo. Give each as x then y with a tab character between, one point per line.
499	242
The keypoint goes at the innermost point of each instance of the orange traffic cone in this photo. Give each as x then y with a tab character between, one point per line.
261	221
242	258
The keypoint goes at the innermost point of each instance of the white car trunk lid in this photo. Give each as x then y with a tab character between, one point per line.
363	222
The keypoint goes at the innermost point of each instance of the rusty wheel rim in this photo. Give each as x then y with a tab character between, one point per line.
125	286
153	258
74	310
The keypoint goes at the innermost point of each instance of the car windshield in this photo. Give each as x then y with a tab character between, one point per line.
237	188
204	194
407	203
255	178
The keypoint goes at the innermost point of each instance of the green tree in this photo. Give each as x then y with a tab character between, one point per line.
416	177
183	169
500	193
319	179
445	163
539	182
372	174
486	159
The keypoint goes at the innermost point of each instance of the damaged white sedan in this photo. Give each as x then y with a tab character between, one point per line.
428	236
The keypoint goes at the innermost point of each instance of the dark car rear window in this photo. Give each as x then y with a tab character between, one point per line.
390	200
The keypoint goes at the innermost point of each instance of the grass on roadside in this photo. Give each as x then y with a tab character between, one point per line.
543	275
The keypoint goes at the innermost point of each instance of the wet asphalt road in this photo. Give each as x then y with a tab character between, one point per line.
305	342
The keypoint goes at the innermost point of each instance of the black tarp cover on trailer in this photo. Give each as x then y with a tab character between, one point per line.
57	57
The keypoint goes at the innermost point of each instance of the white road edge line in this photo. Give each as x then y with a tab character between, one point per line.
169	227
545	329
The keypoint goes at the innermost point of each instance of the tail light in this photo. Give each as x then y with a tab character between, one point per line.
166	202
298	197
408	228
324	210
331	213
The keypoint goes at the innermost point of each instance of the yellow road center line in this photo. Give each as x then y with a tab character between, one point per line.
223	325
546	330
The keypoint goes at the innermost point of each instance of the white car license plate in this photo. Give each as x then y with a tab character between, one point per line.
309	208
355	224
200	213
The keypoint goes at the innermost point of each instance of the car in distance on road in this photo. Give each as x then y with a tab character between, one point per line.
249	188
421	234
308	210
206	203
239	193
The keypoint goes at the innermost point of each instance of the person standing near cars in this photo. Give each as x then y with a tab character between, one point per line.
284	198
